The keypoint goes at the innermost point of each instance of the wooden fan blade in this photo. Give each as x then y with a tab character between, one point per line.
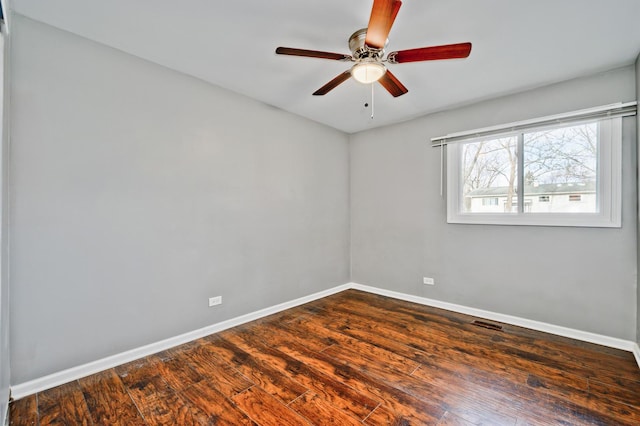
392	84
312	53
449	51
333	84
383	14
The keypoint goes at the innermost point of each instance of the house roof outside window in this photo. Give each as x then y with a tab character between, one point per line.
539	189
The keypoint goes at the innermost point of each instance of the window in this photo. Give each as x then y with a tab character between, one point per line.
567	175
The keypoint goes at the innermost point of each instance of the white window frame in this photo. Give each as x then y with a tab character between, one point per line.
609	185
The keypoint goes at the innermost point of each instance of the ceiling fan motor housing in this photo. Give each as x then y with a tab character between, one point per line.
360	50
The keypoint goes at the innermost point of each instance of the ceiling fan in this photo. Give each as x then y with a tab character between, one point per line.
367	48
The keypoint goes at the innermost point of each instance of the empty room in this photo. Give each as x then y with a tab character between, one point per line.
372	212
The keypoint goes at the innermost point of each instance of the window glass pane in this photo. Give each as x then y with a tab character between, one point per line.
560	167
489	176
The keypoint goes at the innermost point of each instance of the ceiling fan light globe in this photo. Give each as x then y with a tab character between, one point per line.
368	72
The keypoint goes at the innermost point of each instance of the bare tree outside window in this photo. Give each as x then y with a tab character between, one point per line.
489	164
559	163
566	157
562	155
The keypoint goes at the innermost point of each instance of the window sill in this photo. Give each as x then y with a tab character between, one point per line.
595	220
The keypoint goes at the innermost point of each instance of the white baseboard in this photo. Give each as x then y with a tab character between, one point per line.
636	353
585	336
37	385
52	380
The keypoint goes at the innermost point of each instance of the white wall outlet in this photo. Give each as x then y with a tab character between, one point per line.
428	281
213	301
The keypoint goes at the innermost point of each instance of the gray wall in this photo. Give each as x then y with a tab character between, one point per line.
138	192
638	180
4	281
583	278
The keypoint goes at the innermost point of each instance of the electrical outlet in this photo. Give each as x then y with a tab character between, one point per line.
213	301
428	281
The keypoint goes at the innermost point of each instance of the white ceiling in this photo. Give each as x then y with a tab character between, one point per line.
517	44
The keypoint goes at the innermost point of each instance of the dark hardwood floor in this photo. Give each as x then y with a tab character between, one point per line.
356	358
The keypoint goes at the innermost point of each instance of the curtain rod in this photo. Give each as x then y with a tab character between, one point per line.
605	111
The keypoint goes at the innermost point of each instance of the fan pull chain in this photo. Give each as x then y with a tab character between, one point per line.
372	104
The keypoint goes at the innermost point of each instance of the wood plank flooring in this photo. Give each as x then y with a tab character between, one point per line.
352	359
